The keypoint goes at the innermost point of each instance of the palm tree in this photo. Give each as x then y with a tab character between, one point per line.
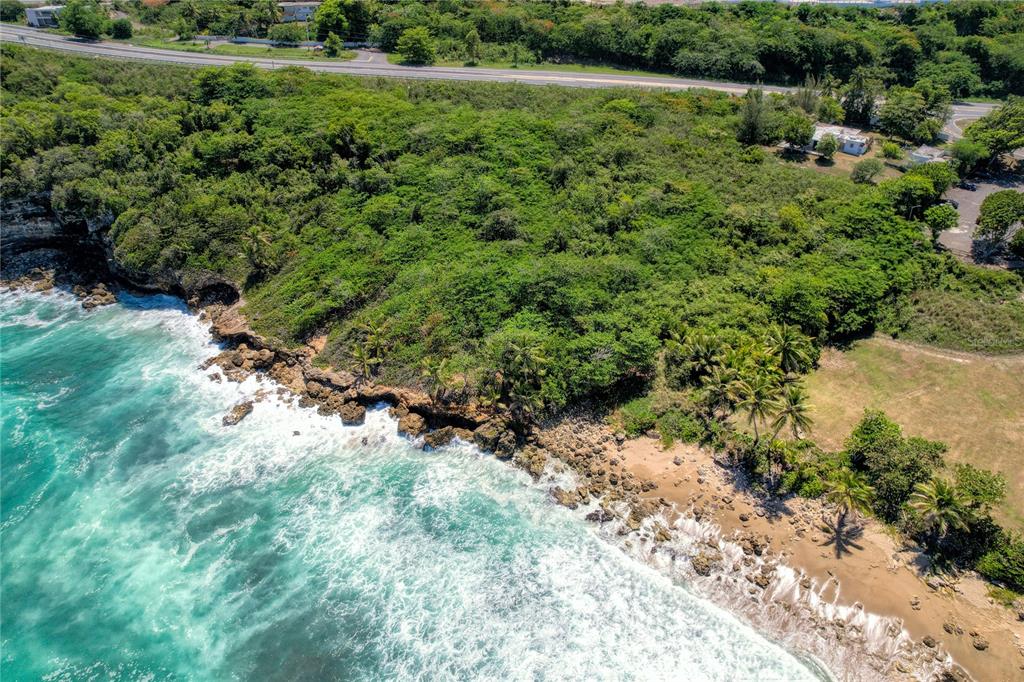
701	354
757	397
437	372
376	340
363	359
790	347
941	507
851	493
720	391
793	409
256	247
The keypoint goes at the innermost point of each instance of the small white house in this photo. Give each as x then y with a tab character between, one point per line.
297	11
926	154
851	141
43	17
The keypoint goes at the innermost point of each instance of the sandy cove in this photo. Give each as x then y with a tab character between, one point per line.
874	570
692	518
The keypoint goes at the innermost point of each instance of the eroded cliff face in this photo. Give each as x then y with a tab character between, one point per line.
29	224
31	232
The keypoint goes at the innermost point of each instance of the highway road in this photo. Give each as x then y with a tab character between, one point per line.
372	64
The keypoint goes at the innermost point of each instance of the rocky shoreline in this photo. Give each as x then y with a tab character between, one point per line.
578	447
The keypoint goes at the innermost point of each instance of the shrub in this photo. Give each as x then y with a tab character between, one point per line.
120	29
828	145
84	18
891	150
894	464
1016	244
866	170
638	417
1005	563
678	425
287	34
332	45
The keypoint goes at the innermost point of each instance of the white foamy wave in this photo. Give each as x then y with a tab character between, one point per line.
852	643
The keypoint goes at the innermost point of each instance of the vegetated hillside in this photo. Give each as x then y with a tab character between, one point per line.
971	47
421	222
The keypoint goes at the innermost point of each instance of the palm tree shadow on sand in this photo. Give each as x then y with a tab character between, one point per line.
843	537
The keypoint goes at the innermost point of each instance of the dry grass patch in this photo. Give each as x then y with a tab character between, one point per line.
973	403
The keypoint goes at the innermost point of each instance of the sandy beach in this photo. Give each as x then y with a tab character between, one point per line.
870	568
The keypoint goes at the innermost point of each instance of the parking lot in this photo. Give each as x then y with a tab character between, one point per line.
958	240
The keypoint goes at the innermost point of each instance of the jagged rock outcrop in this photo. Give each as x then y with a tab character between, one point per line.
237	413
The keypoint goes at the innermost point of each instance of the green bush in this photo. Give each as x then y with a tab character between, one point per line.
84	18
865	171
894	464
416	46
891	150
120	29
638	417
287	34
1005	563
679	425
1016	244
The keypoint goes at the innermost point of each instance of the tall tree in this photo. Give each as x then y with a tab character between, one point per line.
789	345
850	492
330	18
473	46
758	398
84	18
793	410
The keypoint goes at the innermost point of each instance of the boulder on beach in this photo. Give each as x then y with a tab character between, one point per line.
506	445
705	561
487	434
237	413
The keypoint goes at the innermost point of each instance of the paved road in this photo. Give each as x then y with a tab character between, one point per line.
365	64
368	63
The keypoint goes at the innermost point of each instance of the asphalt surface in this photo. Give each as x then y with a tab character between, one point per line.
368	63
960	239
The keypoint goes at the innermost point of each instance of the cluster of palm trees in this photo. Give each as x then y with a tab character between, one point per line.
513	384
756	377
516	383
369	354
940	506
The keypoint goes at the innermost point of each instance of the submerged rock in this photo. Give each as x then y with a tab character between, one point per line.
237	413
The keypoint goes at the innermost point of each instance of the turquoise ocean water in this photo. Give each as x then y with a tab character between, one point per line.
142	540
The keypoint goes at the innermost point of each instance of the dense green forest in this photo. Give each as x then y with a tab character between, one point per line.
971	47
595	223
526	247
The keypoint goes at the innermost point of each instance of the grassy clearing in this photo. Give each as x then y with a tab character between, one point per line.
234	50
973	403
395	58
951	319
